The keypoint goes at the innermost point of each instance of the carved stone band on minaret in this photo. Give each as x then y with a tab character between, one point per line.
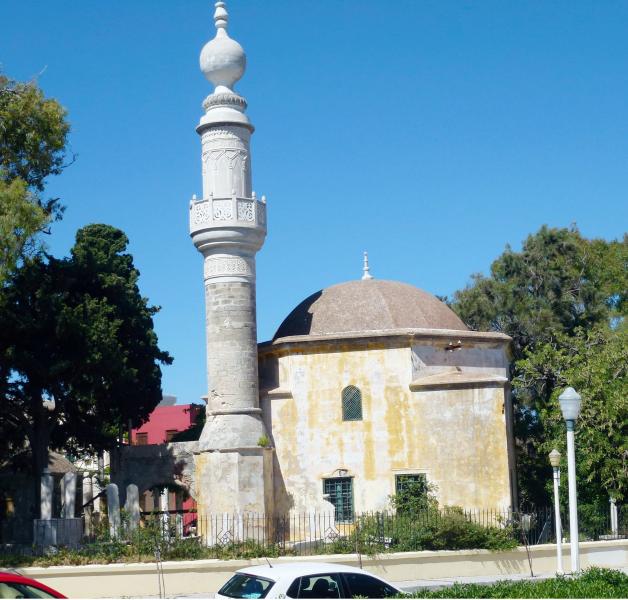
222	267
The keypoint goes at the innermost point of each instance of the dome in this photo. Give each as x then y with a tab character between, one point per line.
368	305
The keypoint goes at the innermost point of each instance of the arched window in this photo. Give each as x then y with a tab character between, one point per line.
351	404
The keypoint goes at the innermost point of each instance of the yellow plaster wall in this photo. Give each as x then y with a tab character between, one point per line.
457	437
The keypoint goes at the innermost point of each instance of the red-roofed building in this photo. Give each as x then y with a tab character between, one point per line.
165	421
163	424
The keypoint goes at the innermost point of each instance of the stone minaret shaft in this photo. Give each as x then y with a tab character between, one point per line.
228	226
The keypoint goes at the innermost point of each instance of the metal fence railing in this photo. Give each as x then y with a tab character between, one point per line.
308	533
312	533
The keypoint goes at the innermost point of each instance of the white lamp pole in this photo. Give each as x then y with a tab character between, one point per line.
554	457
570	402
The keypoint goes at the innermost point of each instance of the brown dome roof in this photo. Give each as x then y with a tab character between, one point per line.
368	305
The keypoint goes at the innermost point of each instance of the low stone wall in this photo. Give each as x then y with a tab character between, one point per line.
207	576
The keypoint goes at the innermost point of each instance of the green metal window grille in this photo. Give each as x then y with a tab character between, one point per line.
351	404
340	490
416	480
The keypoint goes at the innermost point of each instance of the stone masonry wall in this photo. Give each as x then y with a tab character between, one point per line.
231	345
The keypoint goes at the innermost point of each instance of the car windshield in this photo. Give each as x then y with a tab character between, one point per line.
242	585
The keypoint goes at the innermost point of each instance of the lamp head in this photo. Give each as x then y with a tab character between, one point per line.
570	402
554	457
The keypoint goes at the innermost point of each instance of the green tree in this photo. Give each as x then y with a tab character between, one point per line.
33	138
20	220
595	362
556	290
78	332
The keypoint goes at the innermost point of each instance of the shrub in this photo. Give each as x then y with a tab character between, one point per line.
593	583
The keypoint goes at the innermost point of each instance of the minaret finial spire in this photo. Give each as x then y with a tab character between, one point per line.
221	16
222	59
365	268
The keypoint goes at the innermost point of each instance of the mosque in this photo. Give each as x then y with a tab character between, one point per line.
365	386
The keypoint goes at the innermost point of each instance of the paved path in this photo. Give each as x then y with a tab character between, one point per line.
419	584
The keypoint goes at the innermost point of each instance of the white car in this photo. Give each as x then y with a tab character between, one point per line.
305	580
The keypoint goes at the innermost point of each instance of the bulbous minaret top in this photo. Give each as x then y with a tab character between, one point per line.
228	215
223	62
222	59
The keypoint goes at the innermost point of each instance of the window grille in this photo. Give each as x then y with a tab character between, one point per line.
141	439
351	404
340	490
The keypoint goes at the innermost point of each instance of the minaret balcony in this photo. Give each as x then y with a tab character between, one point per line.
227	212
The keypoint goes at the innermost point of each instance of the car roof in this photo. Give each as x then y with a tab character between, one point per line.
8	577
295	569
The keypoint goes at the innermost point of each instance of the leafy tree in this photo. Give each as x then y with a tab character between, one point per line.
33	138
552	293
20	220
78	332
596	364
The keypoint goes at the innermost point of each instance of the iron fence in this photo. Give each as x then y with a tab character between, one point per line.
449	528
314	533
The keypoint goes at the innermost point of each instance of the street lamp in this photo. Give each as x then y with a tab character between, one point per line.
570	402
554	457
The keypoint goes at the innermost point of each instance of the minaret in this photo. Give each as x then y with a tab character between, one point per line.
228	227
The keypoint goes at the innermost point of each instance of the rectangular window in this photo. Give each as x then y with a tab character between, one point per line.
415	480
411	494
340	490
170	433
141	439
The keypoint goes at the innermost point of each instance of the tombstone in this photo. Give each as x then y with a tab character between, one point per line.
132	506
113	509
47	487
165	515
88	496
614	518
69	495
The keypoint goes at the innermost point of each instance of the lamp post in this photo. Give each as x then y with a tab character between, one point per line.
570	402
554	457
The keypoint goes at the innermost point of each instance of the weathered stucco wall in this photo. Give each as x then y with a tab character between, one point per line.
160	465
453	429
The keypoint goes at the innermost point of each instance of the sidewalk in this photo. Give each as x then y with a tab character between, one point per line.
434	584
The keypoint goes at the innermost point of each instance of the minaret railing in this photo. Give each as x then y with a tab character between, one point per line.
233	210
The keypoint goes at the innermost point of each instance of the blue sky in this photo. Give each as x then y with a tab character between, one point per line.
430	133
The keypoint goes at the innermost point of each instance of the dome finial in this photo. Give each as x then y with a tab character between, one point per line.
365	268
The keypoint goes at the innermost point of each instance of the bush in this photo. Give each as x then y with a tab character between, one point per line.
449	529
593	583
